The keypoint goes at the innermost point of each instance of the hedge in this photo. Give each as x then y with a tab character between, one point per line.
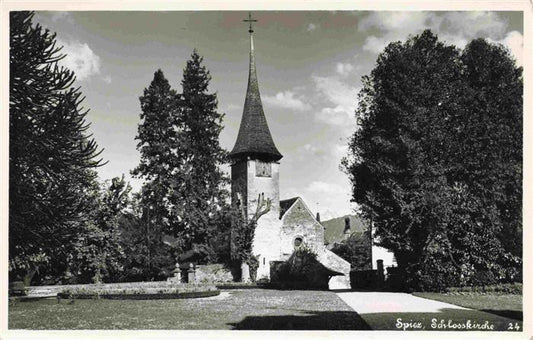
144	292
503	288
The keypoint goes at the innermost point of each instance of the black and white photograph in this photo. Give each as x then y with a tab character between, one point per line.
274	169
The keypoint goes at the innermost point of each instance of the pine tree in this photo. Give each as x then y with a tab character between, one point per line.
157	135
50	152
198	189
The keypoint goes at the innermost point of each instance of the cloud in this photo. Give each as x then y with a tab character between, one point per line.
456	28
311	148
393	21
344	69
335	90
107	79
326	188
81	59
62	16
340	150
341	95
514	41
287	100
311	27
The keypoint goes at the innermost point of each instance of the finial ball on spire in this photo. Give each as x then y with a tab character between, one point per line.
250	20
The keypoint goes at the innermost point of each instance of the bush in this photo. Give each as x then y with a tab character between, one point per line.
502	288
139	290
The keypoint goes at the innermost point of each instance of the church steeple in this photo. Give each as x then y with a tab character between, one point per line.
254	139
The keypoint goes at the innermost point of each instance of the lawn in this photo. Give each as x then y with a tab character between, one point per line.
260	309
233	309
506	305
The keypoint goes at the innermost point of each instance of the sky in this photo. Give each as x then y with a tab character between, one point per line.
309	66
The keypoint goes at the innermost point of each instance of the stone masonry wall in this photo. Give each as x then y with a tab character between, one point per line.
298	221
210	273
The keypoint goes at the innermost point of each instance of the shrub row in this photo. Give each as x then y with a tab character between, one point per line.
140	296
138	291
502	288
238	285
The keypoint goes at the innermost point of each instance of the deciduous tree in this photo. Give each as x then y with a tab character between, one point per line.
435	163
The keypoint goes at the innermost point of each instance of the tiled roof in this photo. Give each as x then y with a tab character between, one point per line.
334	228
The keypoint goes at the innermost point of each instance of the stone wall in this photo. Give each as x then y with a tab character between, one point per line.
363	252
213	273
298	221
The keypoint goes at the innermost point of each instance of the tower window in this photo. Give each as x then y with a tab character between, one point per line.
263	169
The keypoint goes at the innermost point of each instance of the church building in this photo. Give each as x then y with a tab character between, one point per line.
255	172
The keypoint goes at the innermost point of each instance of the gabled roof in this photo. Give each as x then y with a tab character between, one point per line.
334	228
254	138
285	205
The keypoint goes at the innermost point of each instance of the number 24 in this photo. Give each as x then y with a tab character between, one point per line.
514	327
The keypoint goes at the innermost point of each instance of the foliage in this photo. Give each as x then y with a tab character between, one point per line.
161	290
436	162
356	249
98	255
50	152
146	256
198	191
501	288
152	217
183	194
301	271
243	231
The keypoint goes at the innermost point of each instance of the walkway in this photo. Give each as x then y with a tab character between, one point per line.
381	302
402	311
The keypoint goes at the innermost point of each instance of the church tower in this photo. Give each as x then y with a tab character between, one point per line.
255	169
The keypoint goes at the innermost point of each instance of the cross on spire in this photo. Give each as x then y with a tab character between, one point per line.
250	20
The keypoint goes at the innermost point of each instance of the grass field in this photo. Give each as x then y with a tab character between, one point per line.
506	305
259	309
235	309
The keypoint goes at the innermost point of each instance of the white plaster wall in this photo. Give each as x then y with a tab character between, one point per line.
267	233
266	243
267	185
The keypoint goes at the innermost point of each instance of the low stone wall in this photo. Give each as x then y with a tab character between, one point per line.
210	273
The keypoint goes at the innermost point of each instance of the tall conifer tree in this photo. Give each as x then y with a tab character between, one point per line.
198	190
50	152
157	135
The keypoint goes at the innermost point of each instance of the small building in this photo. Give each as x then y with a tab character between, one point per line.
339	230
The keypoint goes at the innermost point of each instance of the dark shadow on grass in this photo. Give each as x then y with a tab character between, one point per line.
312	320
512	314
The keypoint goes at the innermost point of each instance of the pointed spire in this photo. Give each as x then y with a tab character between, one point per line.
254	139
